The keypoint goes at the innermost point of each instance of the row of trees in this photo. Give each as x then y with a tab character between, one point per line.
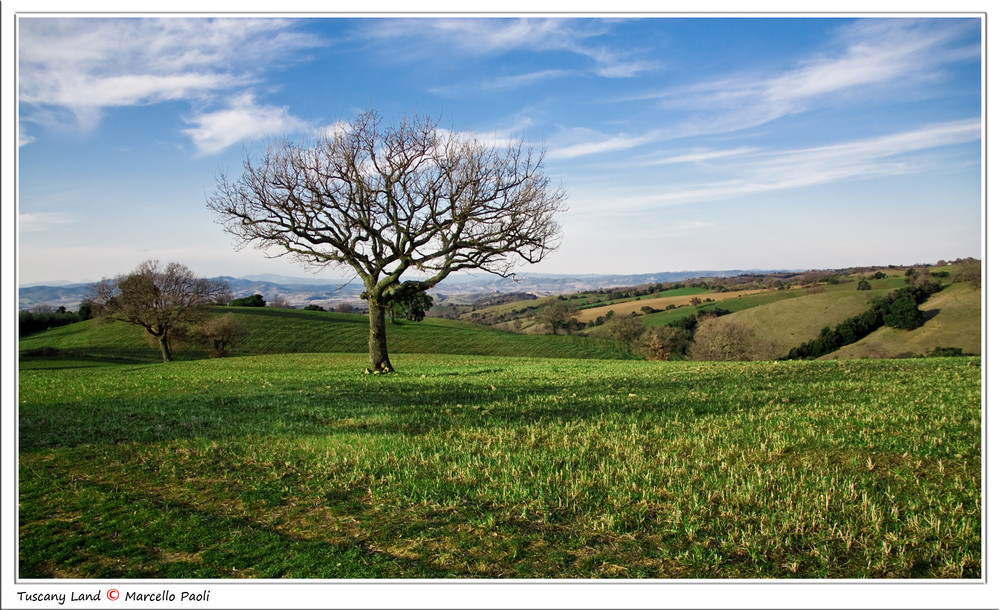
43	318
899	309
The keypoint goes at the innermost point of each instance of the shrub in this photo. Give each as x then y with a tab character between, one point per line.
86	311
663	343
947	352
904	313
251	301
219	334
970	271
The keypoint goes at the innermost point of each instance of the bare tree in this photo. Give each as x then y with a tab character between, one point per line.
726	338
383	200
627	329
662	342
555	314
280	302
219	334
161	300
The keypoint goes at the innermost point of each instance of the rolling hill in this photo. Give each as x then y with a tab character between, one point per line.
954	319
784	316
286	331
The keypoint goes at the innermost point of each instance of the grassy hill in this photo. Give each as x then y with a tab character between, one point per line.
783	318
787	318
954	319
802	315
281	331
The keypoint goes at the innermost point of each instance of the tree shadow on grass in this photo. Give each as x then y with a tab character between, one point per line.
145	534
54	358
371	407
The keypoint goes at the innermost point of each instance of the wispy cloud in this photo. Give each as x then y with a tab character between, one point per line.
869	58
699	156
590	142
743	172
86	65
502	83
889	155
866	59
492	36
242	120
36	222
22	137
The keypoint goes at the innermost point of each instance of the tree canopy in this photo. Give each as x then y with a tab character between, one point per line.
383	200
159	299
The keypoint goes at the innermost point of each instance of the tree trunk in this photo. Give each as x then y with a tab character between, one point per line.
165	348
378	350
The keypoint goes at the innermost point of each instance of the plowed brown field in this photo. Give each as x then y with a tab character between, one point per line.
628	307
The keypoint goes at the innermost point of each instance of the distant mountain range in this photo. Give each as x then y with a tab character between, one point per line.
323	292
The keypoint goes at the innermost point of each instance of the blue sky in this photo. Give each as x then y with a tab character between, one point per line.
682	143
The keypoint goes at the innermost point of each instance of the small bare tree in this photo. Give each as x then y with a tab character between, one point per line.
662	342
383	200
555	314
219	334
161	300
725	338
626	329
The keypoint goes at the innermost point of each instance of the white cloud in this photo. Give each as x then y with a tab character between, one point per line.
699	156
599	143
334	130
513	81
521	80
493	36
887	155
866	58
22	137
743	172
84	65
877	53
242	120
36	222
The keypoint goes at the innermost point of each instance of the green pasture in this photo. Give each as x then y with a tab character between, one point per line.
464	466
279	331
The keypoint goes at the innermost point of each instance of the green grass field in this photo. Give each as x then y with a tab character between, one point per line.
301	466
283	331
